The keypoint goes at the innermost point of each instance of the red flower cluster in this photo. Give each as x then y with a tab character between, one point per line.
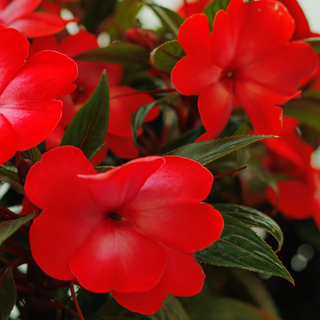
131	230
246	58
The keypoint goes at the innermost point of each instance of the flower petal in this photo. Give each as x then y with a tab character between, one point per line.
39	24
147	302
295	199
182	266
197	224
180	180
122	184
124	260
14	51
28	98
9	140
215	107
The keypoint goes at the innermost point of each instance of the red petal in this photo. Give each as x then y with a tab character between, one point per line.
180	180
118	258
180	267
31	92
39	24
9	140
295	199
17	9
14	52
259	37
122	184
282	69
53	185
191	75
259	103
215	107
148	302
194	36
185	226
123	147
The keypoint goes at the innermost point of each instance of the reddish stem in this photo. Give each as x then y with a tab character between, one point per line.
228	173
75	300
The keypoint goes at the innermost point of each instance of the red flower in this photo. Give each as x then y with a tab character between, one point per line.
18	14
246	57
28	111
132	230
192	7
119	132
298	194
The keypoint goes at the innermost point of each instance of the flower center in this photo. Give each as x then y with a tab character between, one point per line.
115	216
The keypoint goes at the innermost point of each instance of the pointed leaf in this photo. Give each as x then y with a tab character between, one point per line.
8	294
252	218
35	154
166	56
212	9
171	310
138	117
89	126
7	228
9	172
240	247
314	43
170	20
208	151
132	57
220	308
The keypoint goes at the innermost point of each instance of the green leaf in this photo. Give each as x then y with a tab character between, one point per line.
232	126
8	295
133	58
252	218
306	109
212	9
9	227
240	247
166	56
35	154
89	126
170	20
220	308
314	43
208	151
9	172
138	117
171	310
100	169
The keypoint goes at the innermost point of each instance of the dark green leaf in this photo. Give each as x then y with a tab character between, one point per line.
35	154
9	172
314	42
208	151
240	247
252	218
138	117
219	308
133	58
100	169
9	227
306	109
171	310
8	295
89	126
232	126
170	20
123	18
166	56
213	7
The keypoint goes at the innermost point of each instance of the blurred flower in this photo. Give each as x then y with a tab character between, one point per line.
28	111
131	230
299	196
18	14
191	7
246	57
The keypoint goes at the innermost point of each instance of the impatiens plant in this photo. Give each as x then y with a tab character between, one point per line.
111	139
